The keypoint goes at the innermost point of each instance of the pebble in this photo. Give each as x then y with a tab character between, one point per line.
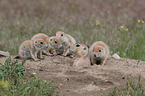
116	56
33	73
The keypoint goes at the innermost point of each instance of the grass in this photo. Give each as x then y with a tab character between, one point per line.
87	22
132	89
128	43
13	82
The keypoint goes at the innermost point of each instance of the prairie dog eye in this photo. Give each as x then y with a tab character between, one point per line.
41	42
50	39
55	42
61	34
77	45
85	48
99	50
35	41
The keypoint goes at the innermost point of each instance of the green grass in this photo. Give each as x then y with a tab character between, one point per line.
128	44
19	22
21	19
13	82
132	89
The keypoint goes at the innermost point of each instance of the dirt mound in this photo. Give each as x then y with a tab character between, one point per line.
87	81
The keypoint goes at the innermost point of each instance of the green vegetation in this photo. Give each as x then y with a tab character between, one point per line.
113	21
131	89
19	22
128	43
13	82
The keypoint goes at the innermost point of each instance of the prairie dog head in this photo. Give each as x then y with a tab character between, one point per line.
98	51
61	35
55	42
79	49
40	44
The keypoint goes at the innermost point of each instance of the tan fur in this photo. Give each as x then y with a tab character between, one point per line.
81	53
30	49
66	40
53	45
41	36
72	40
98	52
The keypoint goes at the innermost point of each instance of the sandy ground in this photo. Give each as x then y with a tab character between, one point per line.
85	81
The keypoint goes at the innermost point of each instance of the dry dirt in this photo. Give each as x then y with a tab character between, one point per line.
87	81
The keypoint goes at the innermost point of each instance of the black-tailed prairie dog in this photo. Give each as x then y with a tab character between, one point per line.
30	49
98	52
81	53
41	36
66	40
54	44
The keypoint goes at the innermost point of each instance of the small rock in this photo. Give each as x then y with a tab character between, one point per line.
33	73
116	56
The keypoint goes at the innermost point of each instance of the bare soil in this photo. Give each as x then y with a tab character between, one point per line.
85	81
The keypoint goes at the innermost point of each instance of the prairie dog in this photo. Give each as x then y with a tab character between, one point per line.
81	53
30	49
67	41
98	52
54	44
41	36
